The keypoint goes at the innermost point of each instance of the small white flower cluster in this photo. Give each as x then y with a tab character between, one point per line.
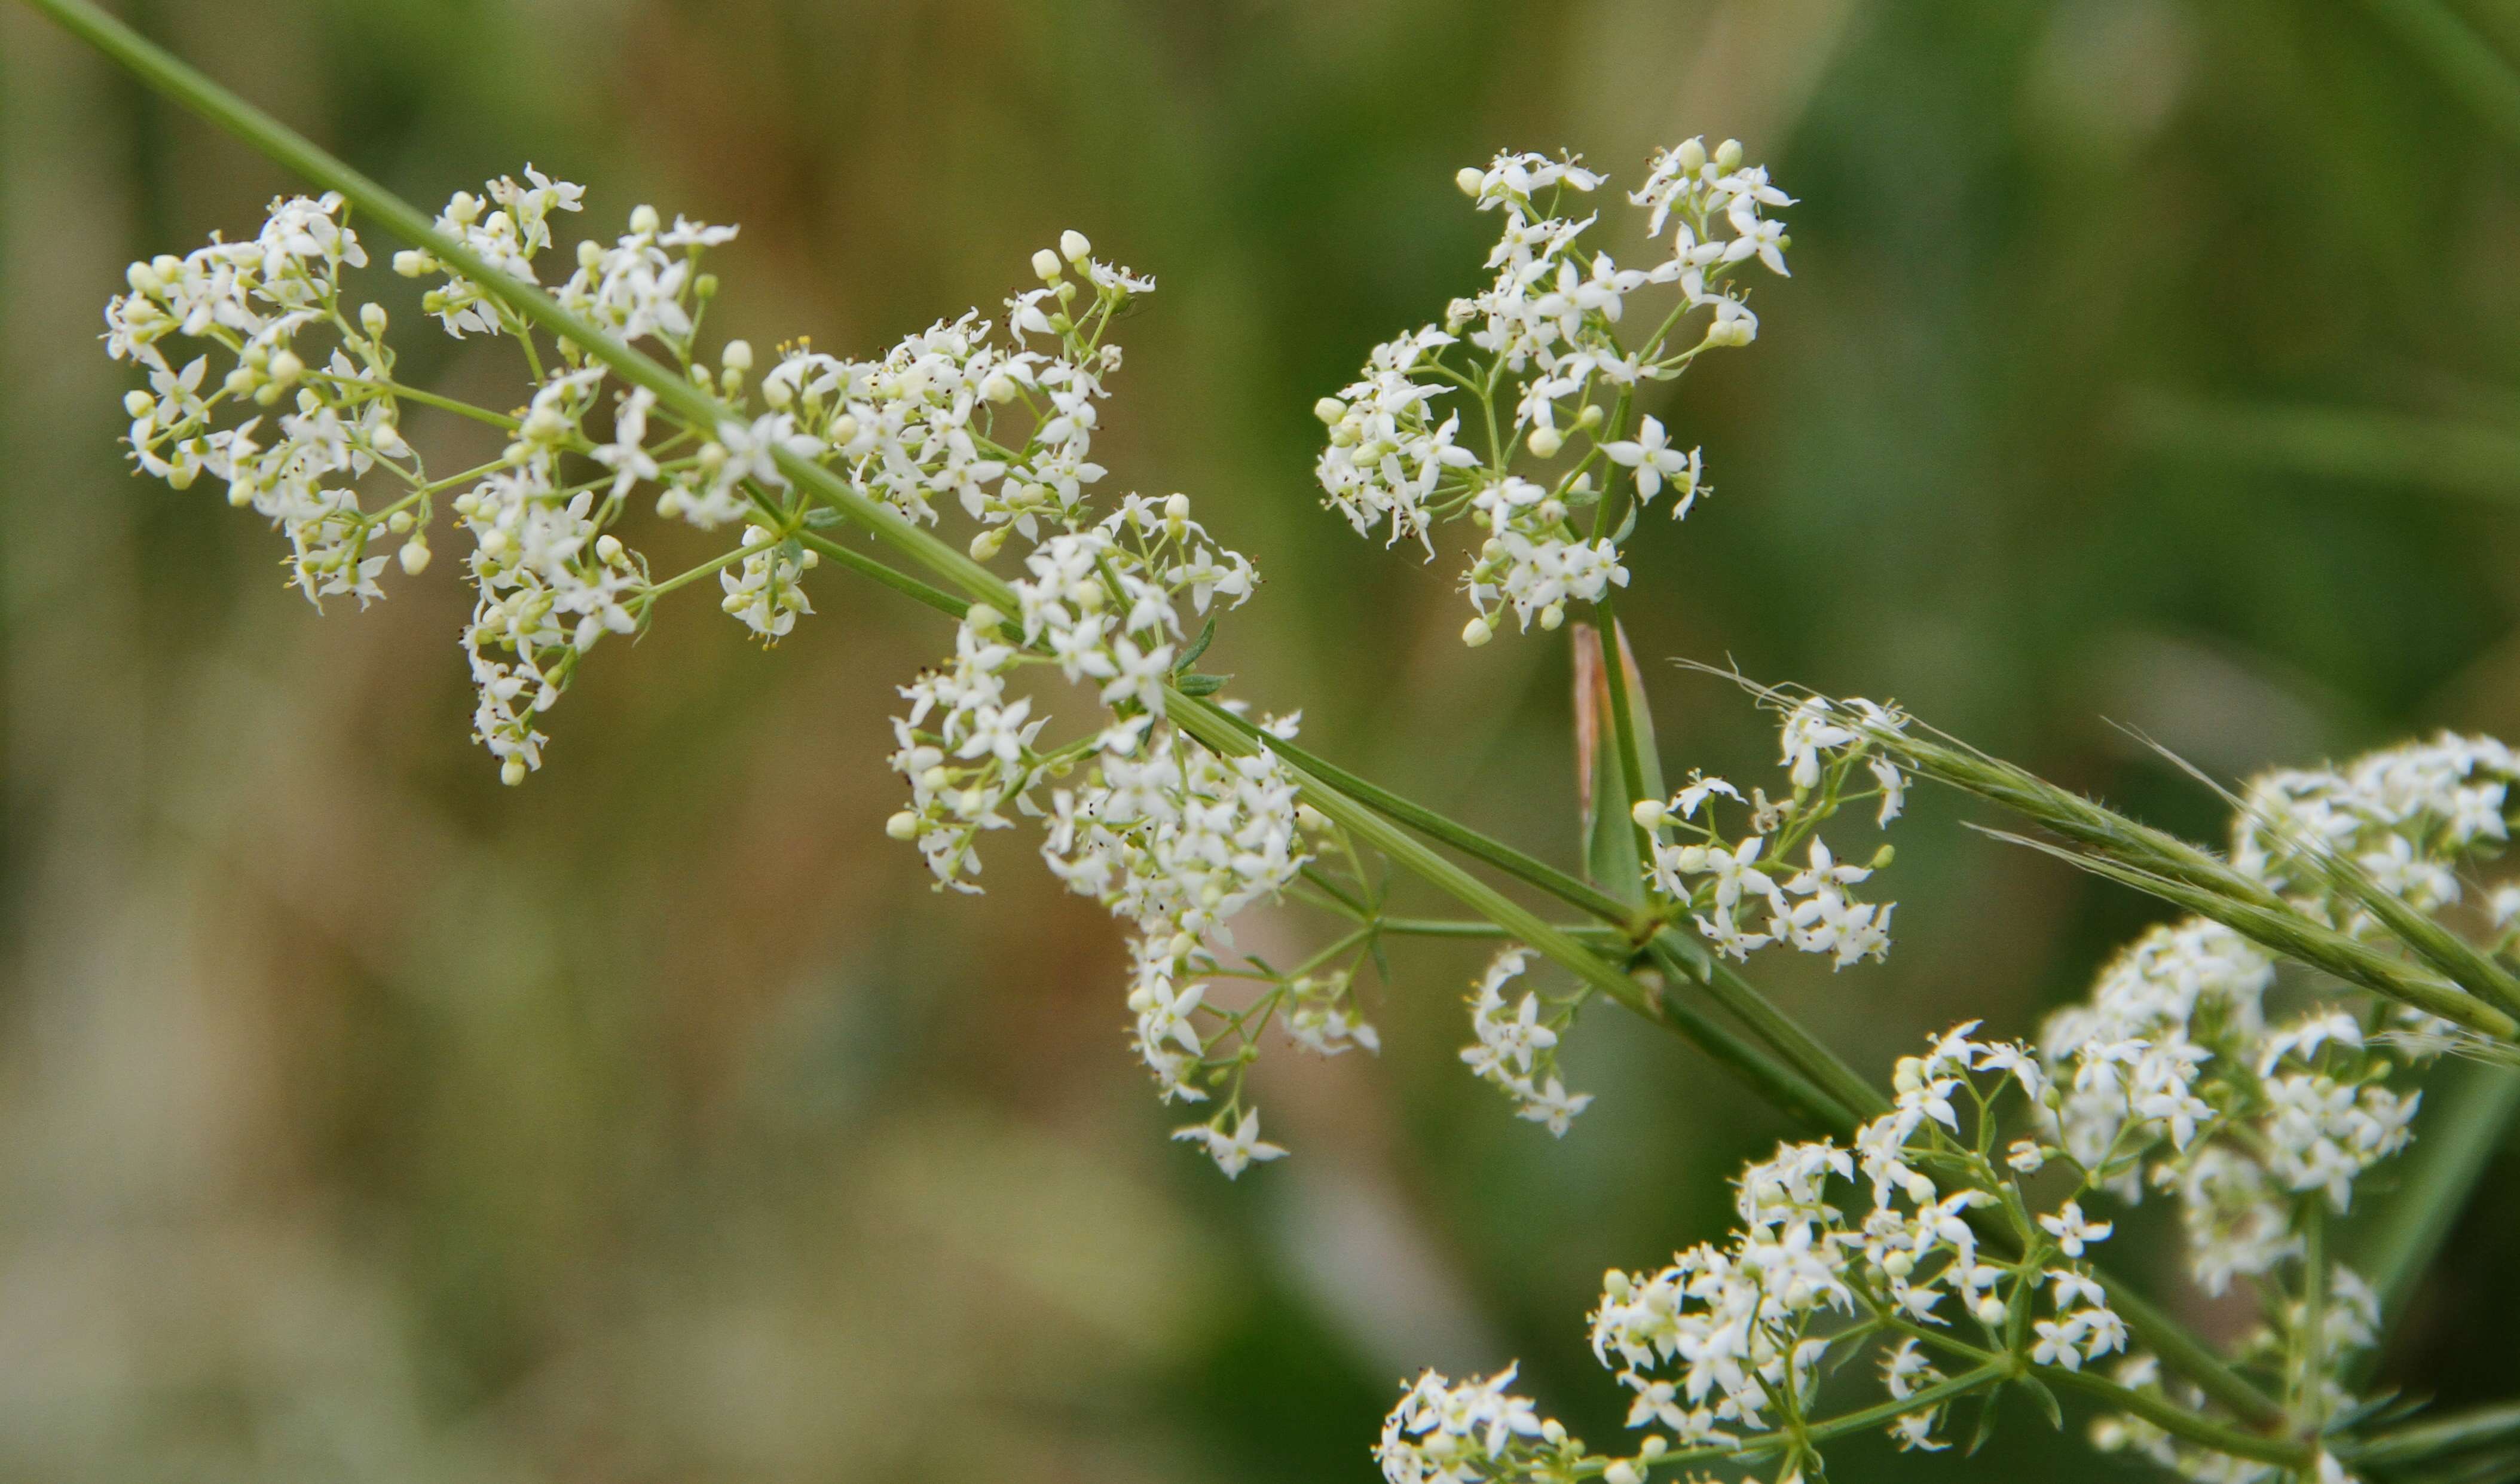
1831	758
1518	1043
552	578
1722	1349
2409	816
642	285
506	226
1473	1432
1545	335
2237	1119
1103	602
1743	1323
250	302
1176	839
949	414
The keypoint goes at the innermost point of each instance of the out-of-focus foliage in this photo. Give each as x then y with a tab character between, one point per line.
362	1120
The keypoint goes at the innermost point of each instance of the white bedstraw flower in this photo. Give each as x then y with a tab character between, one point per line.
1235	1151
1651	455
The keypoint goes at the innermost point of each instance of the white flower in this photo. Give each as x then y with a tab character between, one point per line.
1648	453
1235	1151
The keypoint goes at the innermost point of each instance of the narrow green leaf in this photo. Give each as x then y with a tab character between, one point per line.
1985	1428
2047	1400
1197	647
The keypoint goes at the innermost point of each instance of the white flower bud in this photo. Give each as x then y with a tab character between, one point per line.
1620	1473
1990	1310
983	619
1476	632
1899	1264
1589	418
286	367
1470	178
779	394
1073	247
411	262
1920	1190
143	279
1693	155
935	777
1545	441
414	557
1553	615
1728	154
1650	813
1177	507
399	521
845	430
512	772
903	825
1045	265
999	387
644	219
1653	1447
736	356
1329	409
372	317
589	254
988	543
608	548
139	404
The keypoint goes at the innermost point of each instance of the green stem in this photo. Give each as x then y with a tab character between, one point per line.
1572	890
2457	1433
1217	728
424	398
893	577
2300	1457
1800	1048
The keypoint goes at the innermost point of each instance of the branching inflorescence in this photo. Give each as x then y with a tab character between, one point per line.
1945	1234
1538	359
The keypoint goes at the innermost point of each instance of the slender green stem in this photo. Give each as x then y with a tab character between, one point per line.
893	577
1572	890
1217	728
405	394
2301	1457
1471	927
2457	1433
1800	1048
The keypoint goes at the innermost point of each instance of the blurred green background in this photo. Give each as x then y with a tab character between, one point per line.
2144	361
